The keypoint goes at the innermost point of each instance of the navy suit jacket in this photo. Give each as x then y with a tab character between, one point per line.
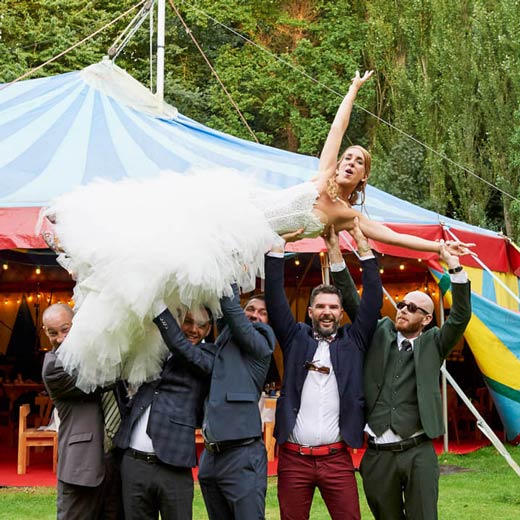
176	398
239	371
346	352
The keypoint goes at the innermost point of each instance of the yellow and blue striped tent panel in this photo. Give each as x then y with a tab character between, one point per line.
483	283
493	335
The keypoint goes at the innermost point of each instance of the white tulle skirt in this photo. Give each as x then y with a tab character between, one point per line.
180	238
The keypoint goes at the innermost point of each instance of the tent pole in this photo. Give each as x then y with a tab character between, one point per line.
481	423
443	384
160	50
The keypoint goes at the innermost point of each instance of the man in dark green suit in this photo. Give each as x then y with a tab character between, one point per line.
403	404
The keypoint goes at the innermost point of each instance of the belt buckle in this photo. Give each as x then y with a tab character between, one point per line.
302	447
212	447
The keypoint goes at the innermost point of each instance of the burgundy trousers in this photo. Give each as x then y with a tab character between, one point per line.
334	475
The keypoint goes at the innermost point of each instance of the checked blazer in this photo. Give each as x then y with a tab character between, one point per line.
176	397
347	352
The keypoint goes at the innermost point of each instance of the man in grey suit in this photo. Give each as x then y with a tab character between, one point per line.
158	432
233	466
81	466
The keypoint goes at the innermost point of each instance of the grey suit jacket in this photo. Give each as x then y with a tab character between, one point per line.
80	435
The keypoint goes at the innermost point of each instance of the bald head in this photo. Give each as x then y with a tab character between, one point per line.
411	324
421	300
57	321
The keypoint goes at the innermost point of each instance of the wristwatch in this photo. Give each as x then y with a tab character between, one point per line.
455	270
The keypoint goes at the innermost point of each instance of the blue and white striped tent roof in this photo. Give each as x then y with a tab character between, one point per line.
62	131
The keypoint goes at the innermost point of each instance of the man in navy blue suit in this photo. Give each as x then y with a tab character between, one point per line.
233	466
158	432
319	413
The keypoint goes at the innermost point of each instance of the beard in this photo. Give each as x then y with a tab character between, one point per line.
325	332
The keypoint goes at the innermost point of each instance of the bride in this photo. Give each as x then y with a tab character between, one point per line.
184	239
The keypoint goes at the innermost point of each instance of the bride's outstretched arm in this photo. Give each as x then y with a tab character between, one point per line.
376	231
330	151
381	233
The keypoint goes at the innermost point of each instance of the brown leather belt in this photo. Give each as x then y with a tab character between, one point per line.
404	445
315	451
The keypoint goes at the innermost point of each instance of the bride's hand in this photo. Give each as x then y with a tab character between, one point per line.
357	80
294	236
456	248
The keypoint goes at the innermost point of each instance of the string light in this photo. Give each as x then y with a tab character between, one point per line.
296	261
5	266
38	270
401	267
381	271
419	260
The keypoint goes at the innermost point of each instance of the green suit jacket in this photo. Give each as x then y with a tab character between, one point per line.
430	350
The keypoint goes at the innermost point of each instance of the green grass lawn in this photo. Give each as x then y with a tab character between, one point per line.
490	489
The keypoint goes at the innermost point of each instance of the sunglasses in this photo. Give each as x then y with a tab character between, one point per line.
411	306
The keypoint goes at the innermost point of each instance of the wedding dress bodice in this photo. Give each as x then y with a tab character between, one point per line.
291	209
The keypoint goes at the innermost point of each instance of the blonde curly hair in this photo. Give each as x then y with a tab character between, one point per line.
359	191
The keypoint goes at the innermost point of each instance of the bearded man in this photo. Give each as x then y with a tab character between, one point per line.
319	413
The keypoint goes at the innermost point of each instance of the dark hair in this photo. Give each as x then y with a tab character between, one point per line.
324	289
259	296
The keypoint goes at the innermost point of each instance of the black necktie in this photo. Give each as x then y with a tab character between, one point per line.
406	346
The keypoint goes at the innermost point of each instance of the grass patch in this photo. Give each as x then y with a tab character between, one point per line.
489	490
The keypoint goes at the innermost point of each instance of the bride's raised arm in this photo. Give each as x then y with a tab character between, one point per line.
330	151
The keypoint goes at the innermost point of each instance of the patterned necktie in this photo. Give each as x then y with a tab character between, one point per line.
112	417
406	346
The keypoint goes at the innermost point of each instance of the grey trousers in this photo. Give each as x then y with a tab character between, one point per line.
79	502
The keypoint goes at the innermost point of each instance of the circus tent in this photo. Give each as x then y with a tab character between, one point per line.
62	131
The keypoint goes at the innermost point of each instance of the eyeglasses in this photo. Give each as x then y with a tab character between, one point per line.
411	306
309	365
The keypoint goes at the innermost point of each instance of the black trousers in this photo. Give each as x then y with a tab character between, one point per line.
234	482
150	488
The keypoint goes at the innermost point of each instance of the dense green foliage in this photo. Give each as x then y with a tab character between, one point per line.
448	74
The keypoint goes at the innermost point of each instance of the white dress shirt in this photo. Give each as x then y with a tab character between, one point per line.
317	422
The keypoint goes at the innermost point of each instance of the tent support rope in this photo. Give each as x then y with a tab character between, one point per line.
487	269
190	34
77	44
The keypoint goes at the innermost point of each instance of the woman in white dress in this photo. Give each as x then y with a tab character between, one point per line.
184	239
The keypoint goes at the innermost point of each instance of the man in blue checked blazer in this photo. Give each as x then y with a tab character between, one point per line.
158	432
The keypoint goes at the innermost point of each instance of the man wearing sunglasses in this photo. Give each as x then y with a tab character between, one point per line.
403	403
